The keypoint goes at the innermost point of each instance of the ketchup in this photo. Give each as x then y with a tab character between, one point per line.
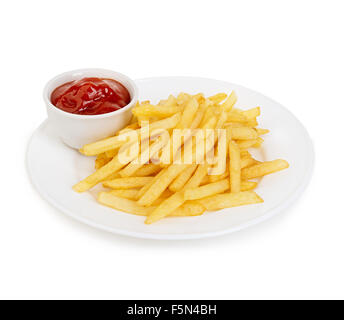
90	96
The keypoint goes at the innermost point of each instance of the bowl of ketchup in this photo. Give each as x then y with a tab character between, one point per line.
89	104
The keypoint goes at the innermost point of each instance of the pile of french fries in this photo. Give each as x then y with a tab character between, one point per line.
151	184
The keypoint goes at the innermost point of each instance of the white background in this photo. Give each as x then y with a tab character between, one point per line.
290	50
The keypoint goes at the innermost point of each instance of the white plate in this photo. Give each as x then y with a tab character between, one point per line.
54	168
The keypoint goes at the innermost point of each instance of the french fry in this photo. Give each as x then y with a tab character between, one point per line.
166	194
188	114
251	123
217	98
234	167
206	190
147	170
183	178
130	194
183	98
264	168
159	186
247	162
244	133
122	204
262	131
111	153
229	200
236	117
101	174
199	115
104	145
206	180
147	153
252	113
248	185
197	177
166	207
188	209
258	143
199	97
230	101
167	123
244	154
157	111
101	160
127	183
209	113
215	178
112	176
170	102
148	185
245	144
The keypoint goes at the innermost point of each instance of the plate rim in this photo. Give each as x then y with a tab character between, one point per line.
157	236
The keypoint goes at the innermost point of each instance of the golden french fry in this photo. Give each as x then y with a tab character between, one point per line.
236	117
251	123
183	98
215	178
183	178
248	185
155	111
148	185
217	98
166	208
221	119
104	145
247	162
206	190
167	123
206	180
122	204
127	183
229	200
170	102
166	194
234	167
244	154
111	153
101	160
147	153
101	174
230	101
199	115
197	177
147	170
132	126
160	185
252	113
262	131
188	114
131	194
209	112
244	133
258	143
264	168
245	144
188	209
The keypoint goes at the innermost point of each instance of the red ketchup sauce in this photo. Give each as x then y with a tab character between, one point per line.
90	96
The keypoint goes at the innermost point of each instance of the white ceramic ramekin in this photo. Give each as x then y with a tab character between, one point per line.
76	130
